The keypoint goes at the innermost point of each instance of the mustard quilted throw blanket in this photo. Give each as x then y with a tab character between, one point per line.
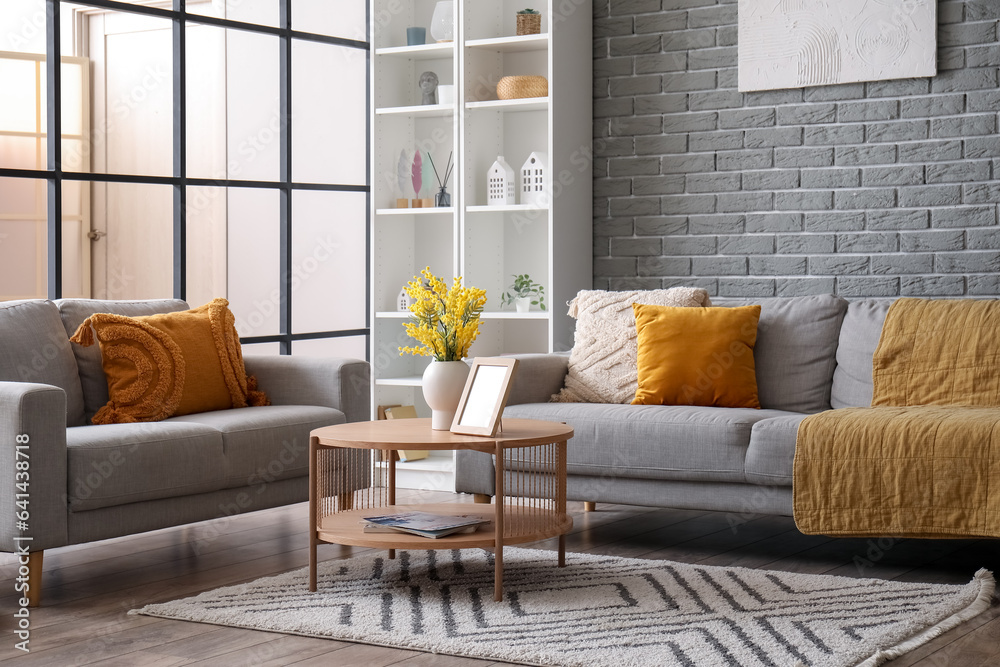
924	460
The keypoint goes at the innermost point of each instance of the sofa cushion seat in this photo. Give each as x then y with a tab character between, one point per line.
267	443
771	455
684	443
117	464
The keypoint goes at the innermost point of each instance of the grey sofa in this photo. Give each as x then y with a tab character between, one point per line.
88	482
813	353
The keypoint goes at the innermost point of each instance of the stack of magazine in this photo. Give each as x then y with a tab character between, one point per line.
424	524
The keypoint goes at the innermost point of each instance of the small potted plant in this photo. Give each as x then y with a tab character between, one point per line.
524	294
529	22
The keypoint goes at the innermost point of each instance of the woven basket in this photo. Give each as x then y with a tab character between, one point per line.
518	87
529	24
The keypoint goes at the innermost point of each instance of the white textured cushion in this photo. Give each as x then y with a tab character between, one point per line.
602	365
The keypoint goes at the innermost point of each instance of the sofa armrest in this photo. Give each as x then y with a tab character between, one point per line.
334	382
538	377
37	411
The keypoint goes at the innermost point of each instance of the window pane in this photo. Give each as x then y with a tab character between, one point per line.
136	257
253	269
22	238
261	349
131	91
329	260
263	12
328	114
22	26
18	112
316	16
76	246
207	268
355	347
233	115
21	152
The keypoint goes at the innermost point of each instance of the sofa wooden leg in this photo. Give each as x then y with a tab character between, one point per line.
589	506
35	578
483	498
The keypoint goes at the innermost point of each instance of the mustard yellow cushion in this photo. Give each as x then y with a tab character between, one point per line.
160	366
697	356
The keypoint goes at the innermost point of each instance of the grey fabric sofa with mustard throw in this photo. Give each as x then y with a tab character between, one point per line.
812	353
68	481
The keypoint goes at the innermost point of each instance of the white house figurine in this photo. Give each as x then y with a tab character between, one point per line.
534	180
500	184
403	301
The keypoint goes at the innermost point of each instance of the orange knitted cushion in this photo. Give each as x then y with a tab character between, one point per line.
160	366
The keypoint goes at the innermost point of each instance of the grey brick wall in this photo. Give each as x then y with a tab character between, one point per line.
864	189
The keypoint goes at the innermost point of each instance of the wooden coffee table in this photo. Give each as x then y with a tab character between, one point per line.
345	488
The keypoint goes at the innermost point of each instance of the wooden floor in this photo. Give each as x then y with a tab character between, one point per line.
90	588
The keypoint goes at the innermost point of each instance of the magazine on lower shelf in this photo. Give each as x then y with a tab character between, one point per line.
425	524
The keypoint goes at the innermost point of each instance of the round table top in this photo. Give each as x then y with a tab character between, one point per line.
417	434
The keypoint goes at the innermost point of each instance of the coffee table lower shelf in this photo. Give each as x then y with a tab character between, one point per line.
520	526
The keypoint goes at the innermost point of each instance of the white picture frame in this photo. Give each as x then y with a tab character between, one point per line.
485	396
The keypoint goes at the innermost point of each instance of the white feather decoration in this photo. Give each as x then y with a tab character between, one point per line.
403	174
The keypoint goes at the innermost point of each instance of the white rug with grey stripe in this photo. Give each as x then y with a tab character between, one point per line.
598	610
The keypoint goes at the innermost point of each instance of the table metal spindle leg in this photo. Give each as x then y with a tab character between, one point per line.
392	488
313	481
561	496
498	520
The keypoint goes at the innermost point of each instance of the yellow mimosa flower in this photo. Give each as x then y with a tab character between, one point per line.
445	322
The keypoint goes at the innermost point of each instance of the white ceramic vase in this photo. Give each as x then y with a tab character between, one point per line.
443	21
443	383
522	304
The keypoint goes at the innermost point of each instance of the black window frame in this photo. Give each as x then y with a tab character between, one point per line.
179	181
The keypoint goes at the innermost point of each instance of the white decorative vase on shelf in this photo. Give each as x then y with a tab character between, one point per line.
522	304
442	385
443	21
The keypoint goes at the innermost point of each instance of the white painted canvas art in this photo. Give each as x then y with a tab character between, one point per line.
798	43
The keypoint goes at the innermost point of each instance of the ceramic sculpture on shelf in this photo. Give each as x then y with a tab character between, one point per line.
402	176
500	183
428	84
403	301
534	180
418	181
443	21
417	178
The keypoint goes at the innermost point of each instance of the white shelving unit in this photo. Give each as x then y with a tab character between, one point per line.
487	245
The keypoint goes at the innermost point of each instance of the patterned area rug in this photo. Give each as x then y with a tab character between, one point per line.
598	610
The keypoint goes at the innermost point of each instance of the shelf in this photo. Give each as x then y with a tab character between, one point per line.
419	52
512	315
520	526
422	110
413	381
487	245
525	104
513	43
507	207
434	210
488	315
